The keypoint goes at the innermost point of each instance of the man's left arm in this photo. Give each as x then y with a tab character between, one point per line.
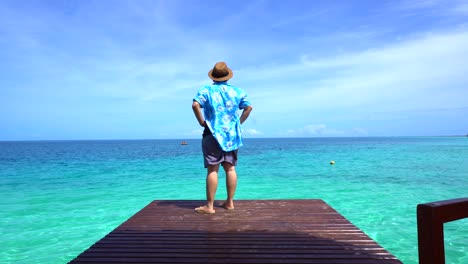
245	113
246	106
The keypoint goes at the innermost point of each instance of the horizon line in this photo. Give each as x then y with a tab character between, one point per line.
143	139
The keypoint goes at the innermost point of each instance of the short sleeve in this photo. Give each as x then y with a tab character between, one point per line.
244	101
201	96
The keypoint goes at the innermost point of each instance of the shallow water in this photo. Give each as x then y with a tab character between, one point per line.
59	197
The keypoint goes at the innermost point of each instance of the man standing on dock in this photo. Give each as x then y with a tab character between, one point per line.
222	136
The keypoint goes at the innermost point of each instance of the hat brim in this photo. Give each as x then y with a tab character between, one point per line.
221	79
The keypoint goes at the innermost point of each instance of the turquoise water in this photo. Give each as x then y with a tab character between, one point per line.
59	197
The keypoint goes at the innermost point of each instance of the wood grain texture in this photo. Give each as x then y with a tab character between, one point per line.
257	231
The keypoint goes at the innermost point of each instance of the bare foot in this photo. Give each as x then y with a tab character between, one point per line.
228	206
204	210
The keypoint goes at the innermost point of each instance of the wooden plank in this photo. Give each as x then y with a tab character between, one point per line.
257	231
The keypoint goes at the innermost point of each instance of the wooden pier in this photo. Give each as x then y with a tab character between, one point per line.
257	231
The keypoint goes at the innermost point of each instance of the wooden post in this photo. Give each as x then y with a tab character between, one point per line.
431	218
430	236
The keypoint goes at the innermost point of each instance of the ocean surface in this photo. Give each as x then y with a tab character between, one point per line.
59	197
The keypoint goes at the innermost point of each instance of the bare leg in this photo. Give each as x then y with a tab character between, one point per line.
231	184
211	186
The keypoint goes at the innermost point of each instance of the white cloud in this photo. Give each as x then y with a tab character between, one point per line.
154	64
428	71
360	131
461	8
436	8
252	132
322	130
416	4
298	20
318	130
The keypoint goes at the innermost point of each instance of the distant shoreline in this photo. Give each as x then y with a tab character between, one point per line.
247	138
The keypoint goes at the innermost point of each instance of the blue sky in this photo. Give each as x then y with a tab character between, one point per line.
129	69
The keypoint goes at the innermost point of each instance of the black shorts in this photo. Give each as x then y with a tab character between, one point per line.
213	154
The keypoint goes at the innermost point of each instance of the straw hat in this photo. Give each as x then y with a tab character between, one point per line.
220	72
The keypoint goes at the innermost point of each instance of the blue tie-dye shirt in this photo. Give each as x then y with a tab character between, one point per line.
220	102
